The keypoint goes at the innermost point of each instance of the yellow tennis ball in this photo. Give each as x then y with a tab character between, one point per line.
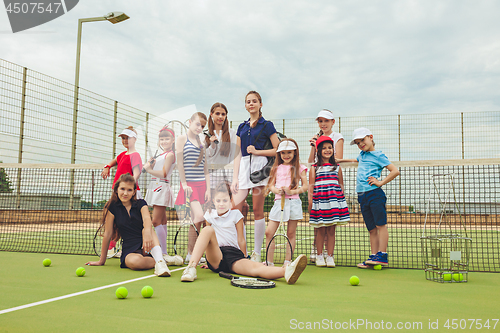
80	271
377	267
147	292
121	292
458	277
447	277
354	280
46	262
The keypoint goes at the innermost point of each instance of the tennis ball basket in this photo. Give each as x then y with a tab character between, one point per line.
446	247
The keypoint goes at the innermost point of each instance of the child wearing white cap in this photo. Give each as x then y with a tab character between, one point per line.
128	161
371	197
284	179
325	120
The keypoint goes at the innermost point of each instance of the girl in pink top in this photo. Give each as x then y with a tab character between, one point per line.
286	174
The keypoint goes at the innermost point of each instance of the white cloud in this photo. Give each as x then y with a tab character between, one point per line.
357	57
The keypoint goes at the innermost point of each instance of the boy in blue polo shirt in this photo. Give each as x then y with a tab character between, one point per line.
371	197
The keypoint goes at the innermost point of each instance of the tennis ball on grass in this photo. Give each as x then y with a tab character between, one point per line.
46	262
377	267
80	271
147	292
458	277
121	292
354	280
447	277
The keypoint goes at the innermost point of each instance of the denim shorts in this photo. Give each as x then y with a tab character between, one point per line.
372	205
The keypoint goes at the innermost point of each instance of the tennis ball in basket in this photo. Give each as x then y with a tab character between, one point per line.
147	292
458	277
447	277
354	280
377	267
80	271
46	262
121	292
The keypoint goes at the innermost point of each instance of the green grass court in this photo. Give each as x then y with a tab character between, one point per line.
352	244
210	304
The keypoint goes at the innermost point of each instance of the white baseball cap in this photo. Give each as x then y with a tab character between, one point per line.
129	133
325	114
286	145
360	133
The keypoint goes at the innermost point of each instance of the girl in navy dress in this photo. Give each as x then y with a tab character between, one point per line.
252	135
128	218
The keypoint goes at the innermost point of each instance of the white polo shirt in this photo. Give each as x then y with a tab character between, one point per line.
225	226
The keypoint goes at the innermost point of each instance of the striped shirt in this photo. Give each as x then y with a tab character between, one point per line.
191	153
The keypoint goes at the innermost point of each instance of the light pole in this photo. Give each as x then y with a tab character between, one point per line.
113	17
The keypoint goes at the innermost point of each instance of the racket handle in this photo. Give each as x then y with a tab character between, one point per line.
282	201
225	275
209	136
150	163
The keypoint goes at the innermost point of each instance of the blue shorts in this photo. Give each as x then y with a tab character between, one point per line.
372	205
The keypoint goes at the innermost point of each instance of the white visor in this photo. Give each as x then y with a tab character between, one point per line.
325	114
129	133
286	145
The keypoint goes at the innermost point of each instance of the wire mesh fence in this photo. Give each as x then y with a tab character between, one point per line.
37	119
41	211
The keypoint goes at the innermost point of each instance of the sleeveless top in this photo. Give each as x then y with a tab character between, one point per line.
191	153
160	161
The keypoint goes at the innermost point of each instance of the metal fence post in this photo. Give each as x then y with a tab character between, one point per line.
21	138
399	158
114	129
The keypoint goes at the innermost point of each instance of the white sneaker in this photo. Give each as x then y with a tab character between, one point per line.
268	263
188	259
189	274
312	257
161	269
293	271
255	257
320	260
330	262
173	260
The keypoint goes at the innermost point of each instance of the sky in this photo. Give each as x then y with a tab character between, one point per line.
355	58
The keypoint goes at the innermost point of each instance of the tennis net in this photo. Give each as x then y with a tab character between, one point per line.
56	208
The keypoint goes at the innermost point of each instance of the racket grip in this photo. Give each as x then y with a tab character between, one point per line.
225	275
282	201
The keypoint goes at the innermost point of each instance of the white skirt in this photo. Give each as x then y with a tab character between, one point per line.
258	162
292	210
160	194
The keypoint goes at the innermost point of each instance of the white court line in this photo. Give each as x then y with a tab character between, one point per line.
78	293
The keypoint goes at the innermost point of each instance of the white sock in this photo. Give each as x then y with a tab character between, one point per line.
259	233
156	253
161	232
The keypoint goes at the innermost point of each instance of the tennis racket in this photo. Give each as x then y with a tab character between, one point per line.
279	248
249	283
97	243
186	231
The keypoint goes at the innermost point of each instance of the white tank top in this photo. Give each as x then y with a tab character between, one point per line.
160	161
